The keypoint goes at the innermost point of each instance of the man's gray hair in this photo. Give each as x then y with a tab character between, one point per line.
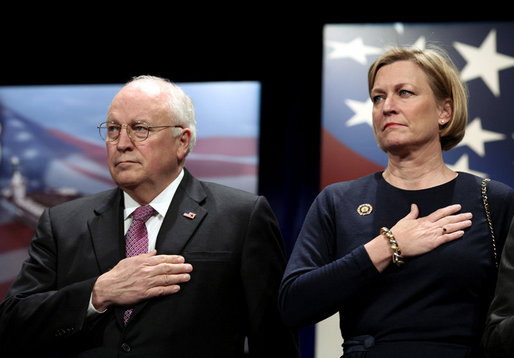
180	105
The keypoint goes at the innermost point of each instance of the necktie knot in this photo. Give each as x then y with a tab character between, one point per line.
143	213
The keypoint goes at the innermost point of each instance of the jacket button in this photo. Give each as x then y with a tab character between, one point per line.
125	347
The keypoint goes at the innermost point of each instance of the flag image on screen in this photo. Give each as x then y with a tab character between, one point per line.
51	151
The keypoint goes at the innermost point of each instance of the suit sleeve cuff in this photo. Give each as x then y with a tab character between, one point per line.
91	310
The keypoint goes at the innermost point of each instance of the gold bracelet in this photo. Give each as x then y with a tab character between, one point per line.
397	253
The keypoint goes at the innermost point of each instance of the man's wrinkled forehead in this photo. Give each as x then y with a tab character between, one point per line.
138	98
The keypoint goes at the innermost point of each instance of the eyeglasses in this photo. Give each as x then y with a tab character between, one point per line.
137	131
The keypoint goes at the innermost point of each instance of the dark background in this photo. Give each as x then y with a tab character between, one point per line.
281	48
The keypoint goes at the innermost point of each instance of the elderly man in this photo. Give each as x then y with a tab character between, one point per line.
164	265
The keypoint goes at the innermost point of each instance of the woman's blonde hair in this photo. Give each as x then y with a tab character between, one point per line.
443	78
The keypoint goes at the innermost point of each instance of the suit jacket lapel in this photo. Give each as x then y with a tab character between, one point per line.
106	229
178	227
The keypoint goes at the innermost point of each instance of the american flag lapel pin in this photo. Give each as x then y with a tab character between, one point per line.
189	215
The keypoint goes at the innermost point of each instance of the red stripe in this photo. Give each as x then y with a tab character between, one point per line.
100	178
237	146
15	236
95	152
340	163
4	286
215	168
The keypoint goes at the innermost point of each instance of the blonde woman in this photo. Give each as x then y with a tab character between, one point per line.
405	255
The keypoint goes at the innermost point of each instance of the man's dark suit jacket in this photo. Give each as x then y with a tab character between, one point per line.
498	336
233	243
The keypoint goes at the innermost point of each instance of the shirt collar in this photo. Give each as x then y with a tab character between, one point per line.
160	203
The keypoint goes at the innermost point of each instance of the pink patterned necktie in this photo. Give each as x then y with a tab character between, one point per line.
136	238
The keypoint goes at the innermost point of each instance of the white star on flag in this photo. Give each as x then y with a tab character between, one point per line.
484	62
420	43
355	50
362	112
476	137
462	165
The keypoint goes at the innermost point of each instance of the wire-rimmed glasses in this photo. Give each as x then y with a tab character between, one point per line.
137	131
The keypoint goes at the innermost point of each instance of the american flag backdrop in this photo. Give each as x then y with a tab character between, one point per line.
50	150
484	54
